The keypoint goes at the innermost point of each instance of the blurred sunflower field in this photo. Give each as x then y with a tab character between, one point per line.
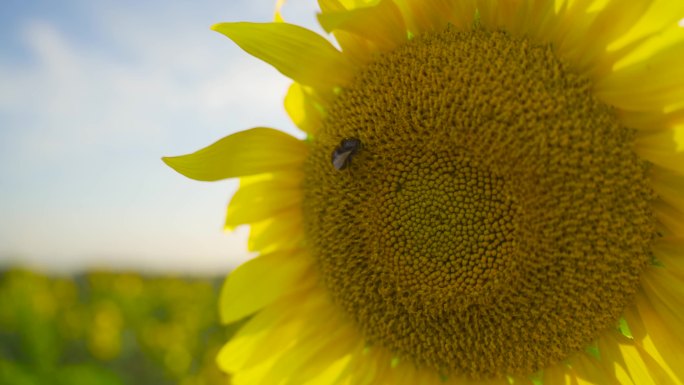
109	328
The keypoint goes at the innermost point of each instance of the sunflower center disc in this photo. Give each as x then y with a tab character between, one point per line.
495	219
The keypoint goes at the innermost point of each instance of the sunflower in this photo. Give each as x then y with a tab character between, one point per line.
489	192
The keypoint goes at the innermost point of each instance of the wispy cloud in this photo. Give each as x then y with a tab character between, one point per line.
86	117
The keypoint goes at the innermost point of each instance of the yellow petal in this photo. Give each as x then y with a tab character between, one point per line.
610	23
589	371
404	374
655	31
328	367
227	359
557	374
495	14
250	152
665	292
662	148
567	31
664	345
253	375
281	232
321	344
274	330
258	201
253	345
653	120
652	84
365	366
535	18
629	364
303	109
328	5
382	23
296	52
431	15
278	16
669	252
334	6
358	49
639	371
660	15
671	218
258	282
332	375
502	381
616	18
515	380
669	186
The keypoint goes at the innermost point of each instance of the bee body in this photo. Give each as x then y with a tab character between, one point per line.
343	154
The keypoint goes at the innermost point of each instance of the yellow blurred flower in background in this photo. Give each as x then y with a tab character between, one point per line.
489	192
109	328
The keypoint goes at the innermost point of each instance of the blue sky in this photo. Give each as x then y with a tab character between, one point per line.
92	94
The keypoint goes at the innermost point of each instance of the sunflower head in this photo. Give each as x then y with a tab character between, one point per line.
489	192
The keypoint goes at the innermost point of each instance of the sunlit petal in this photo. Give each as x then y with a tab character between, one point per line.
250	152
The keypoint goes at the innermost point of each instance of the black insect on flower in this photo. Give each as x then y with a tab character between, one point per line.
343	154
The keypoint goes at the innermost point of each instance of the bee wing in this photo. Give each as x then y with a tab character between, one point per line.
340	159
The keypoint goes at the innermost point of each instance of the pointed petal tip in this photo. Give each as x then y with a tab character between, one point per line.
170	160
176	163
222	26
298	53
250	152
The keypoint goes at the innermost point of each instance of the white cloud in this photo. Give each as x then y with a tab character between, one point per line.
86	118
83	98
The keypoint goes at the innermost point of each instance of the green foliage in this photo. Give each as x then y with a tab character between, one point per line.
109	329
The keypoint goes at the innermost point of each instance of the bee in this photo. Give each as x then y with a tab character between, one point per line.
343	154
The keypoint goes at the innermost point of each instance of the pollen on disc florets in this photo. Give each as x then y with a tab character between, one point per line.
495	219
